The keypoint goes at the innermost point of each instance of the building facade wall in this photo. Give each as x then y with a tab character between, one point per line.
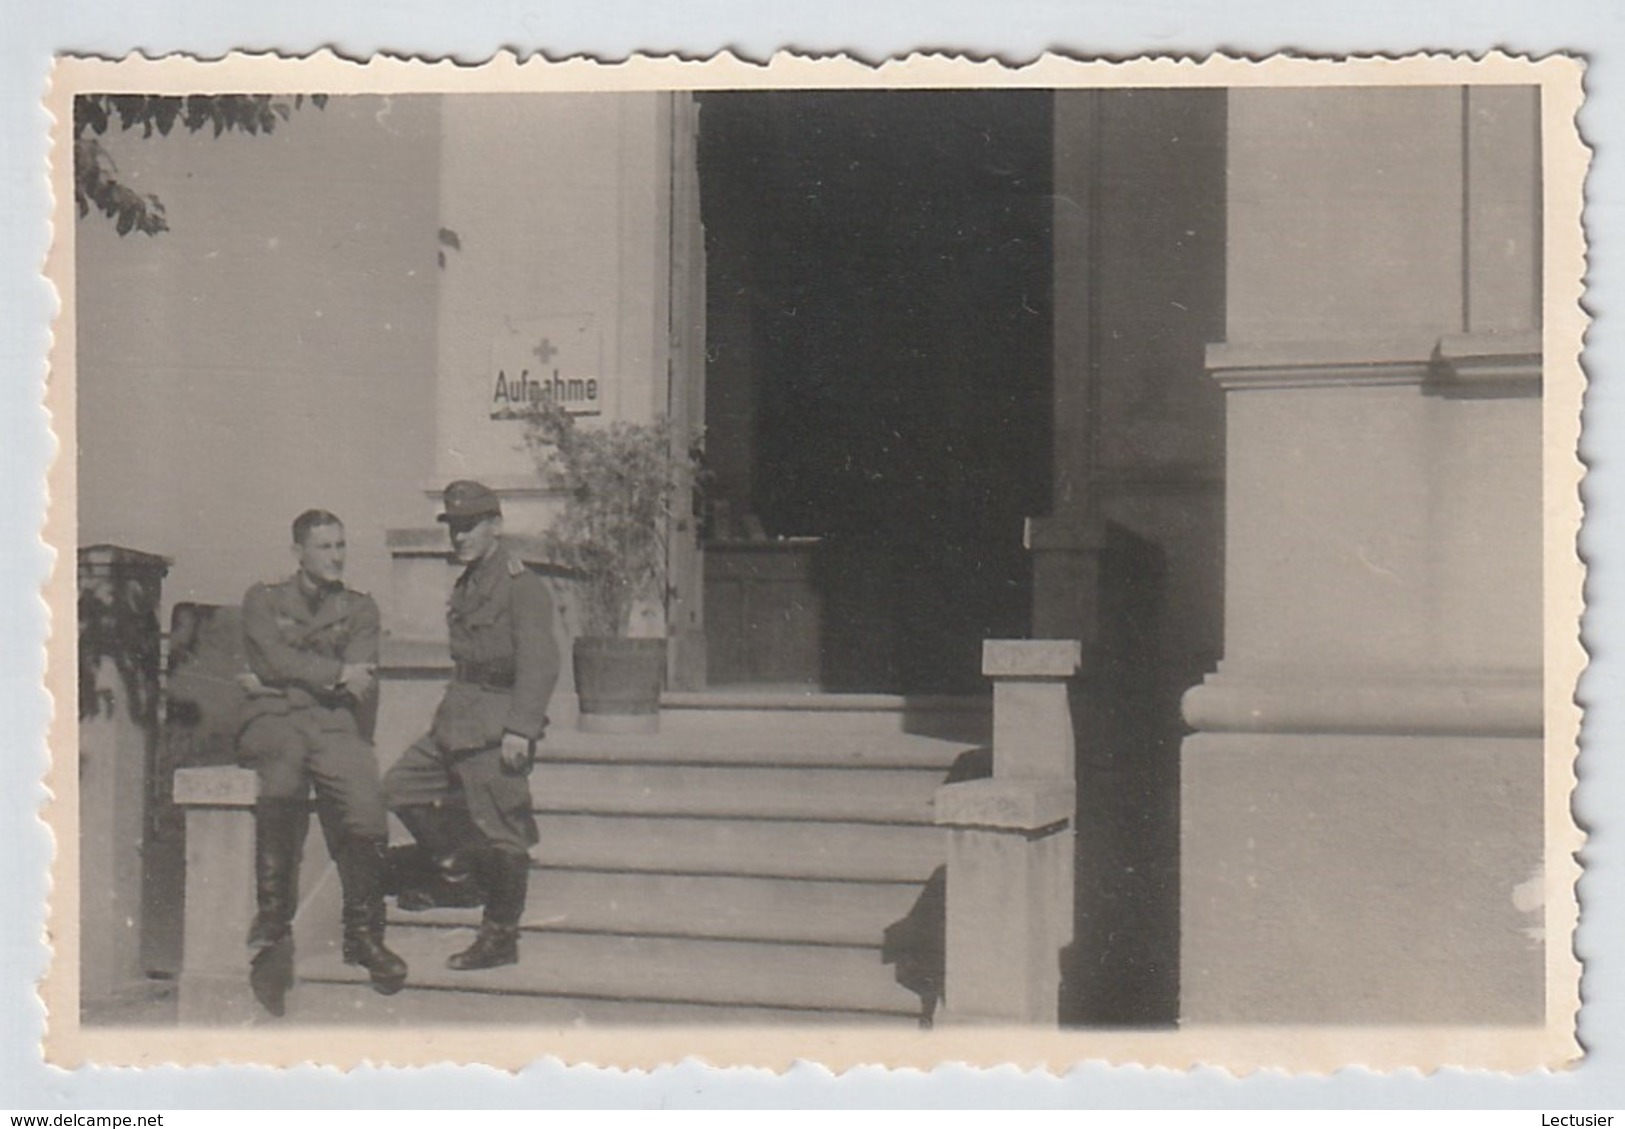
559	210
274	350
1366	757
1361	801
554	217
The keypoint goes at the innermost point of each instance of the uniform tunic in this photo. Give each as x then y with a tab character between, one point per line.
302	729
505	664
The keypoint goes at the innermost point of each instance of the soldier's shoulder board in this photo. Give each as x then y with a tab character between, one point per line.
516	567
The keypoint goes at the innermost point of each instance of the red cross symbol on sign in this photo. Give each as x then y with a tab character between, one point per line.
545	350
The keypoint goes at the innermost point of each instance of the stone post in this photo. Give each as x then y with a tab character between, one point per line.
119	592
1011	842
219	805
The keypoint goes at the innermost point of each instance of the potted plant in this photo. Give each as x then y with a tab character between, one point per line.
619	483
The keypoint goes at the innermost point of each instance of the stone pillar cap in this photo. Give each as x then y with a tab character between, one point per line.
216	786
1006	805
120	557
1031	658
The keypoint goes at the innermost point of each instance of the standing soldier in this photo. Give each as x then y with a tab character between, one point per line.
461	789
312	649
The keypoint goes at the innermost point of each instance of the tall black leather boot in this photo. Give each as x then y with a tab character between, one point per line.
279	841
361	865
507	878
441	872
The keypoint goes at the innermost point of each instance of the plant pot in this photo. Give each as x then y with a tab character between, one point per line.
618	682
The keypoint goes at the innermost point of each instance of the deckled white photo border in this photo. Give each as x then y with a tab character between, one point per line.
1239	1050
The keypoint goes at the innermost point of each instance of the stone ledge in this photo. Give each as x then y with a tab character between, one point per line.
419	541
1312	364
1487	365
430	542
216	786
116	559
1032	658
820	701
1457	364
398	657
1491	704
506	485
1034	807
1063	533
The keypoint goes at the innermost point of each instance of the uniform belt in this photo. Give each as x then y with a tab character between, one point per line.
485	677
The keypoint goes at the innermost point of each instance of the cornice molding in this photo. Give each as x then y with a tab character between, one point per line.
505	485
1244	366
1486	365
1460	364
1423	703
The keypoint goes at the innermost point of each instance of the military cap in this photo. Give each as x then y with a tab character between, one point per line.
467	499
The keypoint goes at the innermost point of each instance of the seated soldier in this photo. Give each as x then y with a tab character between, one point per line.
312	647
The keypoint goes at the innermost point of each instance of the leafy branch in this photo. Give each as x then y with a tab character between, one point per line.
96	180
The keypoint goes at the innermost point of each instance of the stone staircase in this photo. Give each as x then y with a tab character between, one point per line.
765	857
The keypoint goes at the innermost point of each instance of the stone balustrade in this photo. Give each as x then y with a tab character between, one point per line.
1010	853
219	805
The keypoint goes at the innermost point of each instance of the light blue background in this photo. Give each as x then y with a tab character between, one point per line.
1013	31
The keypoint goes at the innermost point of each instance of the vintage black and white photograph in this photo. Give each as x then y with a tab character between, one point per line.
817	555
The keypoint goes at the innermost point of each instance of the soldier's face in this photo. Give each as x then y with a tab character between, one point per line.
473	538
321	555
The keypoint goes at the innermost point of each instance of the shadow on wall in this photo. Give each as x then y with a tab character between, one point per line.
1122	968
917	943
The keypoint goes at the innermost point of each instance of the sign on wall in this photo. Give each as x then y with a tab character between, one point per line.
556	359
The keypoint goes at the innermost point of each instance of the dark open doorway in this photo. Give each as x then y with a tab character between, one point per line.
878	381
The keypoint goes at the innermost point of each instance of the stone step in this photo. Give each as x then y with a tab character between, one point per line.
853	796
743	847
759	711
789	743
661	970
350	1003
754	909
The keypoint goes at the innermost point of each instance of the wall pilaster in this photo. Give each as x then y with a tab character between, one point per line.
1361	797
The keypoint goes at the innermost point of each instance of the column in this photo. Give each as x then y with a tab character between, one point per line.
1361	835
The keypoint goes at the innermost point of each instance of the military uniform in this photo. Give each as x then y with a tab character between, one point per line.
300	728
505	664
466	809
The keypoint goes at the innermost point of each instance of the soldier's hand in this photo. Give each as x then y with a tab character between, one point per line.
517	756
356	679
